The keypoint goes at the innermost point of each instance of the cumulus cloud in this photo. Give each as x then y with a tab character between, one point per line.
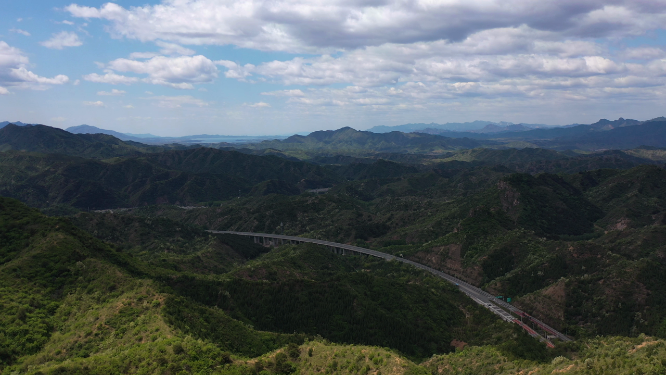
143	55
178	101
288	93
168	49
112	78
14	71
399	55
259	105
643	53
61	40
113	92
19	31
3	91
177	72
25	75
299	25
236	70
94	104
172	49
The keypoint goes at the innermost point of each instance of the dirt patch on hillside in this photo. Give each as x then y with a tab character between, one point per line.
459	345
547	304
621	224
641	346
448	259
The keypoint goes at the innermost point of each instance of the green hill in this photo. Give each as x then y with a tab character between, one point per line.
603	355
45	180
151	302
555	243
45	139
253	168
175	177
348	140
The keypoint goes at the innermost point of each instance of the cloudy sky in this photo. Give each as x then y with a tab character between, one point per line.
176	67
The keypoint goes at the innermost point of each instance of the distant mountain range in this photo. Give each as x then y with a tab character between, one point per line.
458	130
91	141
157	140
476	126
488	129
354	141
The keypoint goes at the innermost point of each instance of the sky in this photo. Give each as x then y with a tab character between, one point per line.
269	67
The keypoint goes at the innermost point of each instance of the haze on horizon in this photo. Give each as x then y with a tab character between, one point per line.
179	67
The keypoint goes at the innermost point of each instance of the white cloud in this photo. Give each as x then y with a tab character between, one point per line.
61	40
236	70
396	55
643	53
19	31
25	75
77	82
168	49
113	92
14	71
143	55
129	106
11	56
58	119
68	22
289	93
3	91
112	78
304	25
178	101
177	72
259	105
173	49
94	104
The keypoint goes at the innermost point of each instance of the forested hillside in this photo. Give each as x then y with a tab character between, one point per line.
77	302
574	238
552	242
45	139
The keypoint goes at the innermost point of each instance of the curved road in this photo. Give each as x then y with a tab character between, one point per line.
504	310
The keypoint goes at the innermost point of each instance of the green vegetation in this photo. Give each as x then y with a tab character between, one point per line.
72	303
604	355
554	243
574	239
48	140
349	141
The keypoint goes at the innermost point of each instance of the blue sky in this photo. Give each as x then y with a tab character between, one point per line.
177	67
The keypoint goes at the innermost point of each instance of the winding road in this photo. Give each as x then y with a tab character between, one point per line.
503	309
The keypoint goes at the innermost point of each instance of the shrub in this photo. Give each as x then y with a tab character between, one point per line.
293	351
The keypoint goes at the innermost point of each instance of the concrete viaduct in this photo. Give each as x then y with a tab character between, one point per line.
497	306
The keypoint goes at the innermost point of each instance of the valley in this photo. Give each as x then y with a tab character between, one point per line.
120	255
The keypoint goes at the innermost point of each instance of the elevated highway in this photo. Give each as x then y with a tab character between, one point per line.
497	306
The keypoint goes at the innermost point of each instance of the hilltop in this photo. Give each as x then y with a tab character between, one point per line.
45	139
350	141
88	129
